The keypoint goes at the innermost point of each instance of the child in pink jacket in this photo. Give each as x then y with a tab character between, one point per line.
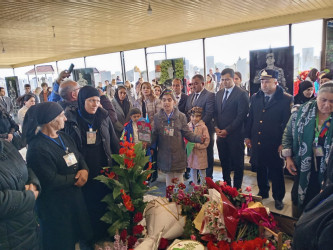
196	152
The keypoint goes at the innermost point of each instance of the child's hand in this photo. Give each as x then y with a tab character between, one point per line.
203	138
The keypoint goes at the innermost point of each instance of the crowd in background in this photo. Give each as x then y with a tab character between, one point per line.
71	133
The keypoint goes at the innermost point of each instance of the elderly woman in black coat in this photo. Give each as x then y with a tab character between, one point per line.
18	193
62	172
91	128
7	125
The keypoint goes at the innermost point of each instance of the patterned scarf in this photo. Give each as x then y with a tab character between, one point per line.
303	130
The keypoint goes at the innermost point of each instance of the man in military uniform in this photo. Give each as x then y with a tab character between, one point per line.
270	60
268	116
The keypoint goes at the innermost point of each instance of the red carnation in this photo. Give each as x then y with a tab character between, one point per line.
137	229
164	243
137	217
131	241
123	235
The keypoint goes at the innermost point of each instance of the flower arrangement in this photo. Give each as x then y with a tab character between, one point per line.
128	184
300	78
227	218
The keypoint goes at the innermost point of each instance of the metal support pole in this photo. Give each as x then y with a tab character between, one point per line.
123	69
84	60
146	59
290	34
36	74
165	51
204	56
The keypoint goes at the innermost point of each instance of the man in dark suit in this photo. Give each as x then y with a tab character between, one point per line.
177	87
268	116
5	101
231	108
204	99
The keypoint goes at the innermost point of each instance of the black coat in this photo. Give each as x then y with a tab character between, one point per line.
182	103
109	138
314	228
7	124
18	226
231	117
61	206
265	126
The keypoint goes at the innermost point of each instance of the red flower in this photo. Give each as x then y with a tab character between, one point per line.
110	175
174	180
181	186
127	201
248	189
164	243
122	151
150	165
137	217
211	246
131	241
137	229
129	163
223	245
123	235
130	153
145	183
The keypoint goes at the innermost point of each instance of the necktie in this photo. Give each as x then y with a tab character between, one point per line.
266	99
225	98
195	97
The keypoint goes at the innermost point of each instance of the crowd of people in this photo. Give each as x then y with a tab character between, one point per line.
73	131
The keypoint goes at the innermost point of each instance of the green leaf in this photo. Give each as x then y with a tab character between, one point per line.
116	192
107	217
105	180
118	158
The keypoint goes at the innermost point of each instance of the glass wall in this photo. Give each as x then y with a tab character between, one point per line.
156	53
307	42
135	65
46	72
192	52
107	65
4	73
233	50
25	78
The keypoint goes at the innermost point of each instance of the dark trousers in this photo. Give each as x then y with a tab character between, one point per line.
210	156
231	154
275	173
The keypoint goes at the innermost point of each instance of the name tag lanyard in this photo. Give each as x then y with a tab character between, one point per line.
62	142
89	125
168	116
323	130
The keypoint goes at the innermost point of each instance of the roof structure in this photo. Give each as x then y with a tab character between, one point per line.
84	28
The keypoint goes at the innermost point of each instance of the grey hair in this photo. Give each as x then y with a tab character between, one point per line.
66	88
327	87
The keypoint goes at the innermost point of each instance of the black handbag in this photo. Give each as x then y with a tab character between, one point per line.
18	141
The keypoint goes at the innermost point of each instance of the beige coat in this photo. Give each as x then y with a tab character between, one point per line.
198	157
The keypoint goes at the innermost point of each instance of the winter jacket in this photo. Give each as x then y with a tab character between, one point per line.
152	108
7	124
198	157
109	138
171	156
122	119
18	225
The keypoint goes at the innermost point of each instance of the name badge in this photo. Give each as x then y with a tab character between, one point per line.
70	159
91	136
318	151
168	131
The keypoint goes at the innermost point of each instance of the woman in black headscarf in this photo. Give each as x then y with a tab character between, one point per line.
122	106
91	128
7	125
305	92
62	172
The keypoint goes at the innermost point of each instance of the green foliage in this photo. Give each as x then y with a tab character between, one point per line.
164	70
127	184
179	68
